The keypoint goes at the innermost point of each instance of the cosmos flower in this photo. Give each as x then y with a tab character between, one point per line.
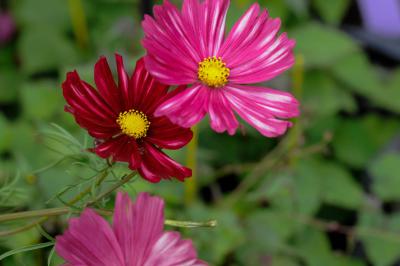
190	47
135	239
121	119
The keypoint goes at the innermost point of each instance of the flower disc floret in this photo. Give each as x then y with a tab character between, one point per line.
213	72
133	123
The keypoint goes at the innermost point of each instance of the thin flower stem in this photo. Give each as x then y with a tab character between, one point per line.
79	23
45	213
190	224
191	183
123	181
81	195
31	214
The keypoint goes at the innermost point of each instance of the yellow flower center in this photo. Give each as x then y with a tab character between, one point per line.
133	123
213	72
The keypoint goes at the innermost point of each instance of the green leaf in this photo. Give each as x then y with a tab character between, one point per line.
359	75
385	172
9	84
25	249
323	97
45	49
339	188
379	235
322	45
41	100
356	141
332	11
5	133
44	12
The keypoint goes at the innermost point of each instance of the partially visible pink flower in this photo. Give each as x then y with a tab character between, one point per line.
190	47
136	238
7	27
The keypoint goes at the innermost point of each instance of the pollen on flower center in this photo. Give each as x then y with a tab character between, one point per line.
213	72
133	123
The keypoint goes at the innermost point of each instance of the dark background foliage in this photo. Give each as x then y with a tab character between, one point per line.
326	193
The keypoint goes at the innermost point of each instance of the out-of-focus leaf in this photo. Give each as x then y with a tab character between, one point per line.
332	11
9	84
382	248
5	133
386	180
322	45
331	183
356	72
226	236
339	188
357	140
41	12
299	7
322	96
41	100
44	49
307	186
313	246
276	8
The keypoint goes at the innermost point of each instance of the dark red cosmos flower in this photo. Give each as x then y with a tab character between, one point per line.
120	118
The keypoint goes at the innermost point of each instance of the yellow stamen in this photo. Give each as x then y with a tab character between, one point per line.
133	123
213	72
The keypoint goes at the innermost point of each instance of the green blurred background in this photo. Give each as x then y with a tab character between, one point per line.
326	193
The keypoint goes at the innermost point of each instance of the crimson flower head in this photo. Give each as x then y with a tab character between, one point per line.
121	119
136	238
189	46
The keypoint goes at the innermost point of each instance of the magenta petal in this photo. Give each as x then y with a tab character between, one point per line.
187	107
170	250
252	50
177	58
138	225
89	241
263	108
222	117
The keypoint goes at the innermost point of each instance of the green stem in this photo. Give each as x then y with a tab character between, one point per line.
81	195
79	24
191	183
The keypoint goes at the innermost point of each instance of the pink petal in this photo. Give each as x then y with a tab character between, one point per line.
156	165
187	107
138	225
171	54
262	108
252	50
205	23
89	241
171	250
221	116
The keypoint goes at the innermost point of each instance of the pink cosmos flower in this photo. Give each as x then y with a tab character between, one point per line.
136	238
190	47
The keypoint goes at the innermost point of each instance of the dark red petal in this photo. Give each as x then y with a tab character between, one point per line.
105	84
147	92
85	101
165	134
123	83
156	165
